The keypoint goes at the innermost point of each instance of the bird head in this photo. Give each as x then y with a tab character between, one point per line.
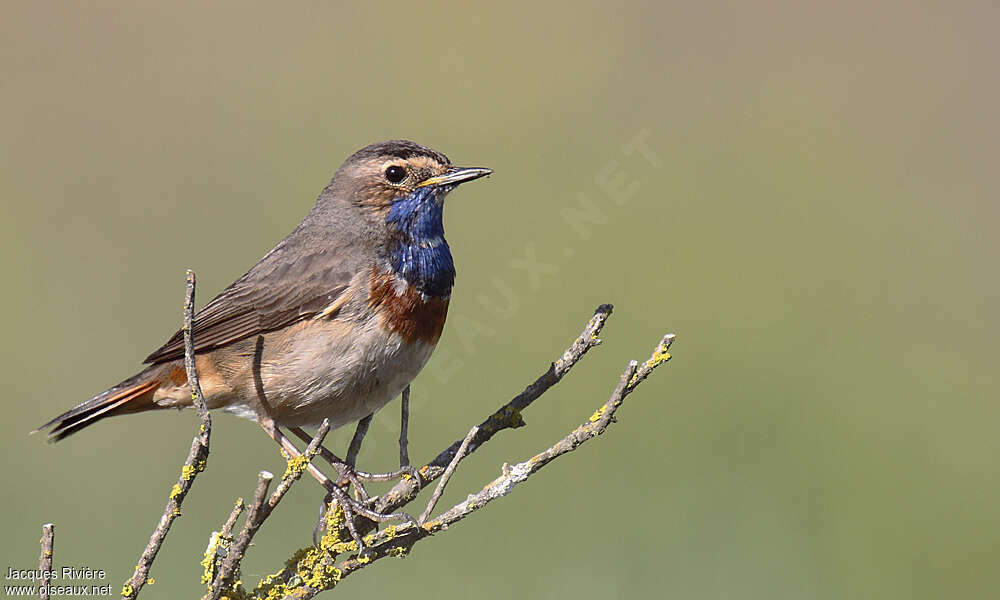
399	178
398	189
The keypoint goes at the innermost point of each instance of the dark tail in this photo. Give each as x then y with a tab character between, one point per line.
132	395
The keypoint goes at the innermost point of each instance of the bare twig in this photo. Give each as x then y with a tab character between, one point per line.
462	450
404	426
196	460
45	560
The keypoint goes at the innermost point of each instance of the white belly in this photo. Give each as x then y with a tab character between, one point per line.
341	373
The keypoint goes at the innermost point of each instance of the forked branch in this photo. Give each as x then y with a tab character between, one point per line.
314	569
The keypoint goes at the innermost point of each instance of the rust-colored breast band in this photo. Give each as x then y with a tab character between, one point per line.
412	316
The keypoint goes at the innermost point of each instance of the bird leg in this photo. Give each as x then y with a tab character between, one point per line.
404	460
347	468
350	506
334	492
346	472
405	468
269	427
332	489
355	449
404	428
359	436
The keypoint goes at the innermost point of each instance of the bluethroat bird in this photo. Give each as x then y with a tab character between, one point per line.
333	323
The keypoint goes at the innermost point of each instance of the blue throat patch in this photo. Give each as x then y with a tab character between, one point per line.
422	257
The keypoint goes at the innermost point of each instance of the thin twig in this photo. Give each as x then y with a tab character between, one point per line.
447	475
294	470
660	356
227	527
196	460
252	523
513	475
190	366
404	426
219	544
227	570
45	560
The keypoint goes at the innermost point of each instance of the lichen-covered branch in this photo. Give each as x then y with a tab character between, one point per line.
260	509
313	570
194	464
219	544
317	568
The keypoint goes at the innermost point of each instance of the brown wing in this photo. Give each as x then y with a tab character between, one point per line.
284	287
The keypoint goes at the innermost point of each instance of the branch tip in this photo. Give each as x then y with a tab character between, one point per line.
45	560
196	460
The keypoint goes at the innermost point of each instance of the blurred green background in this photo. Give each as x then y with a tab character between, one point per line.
814	213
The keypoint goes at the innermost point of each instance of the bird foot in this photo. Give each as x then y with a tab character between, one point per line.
352	509
350	475
403	472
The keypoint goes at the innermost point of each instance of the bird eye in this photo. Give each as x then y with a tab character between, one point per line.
395	174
